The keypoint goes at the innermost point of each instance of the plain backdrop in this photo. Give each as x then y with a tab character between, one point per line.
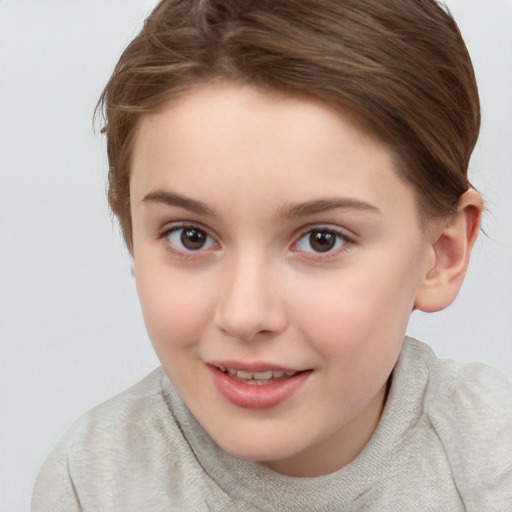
70	328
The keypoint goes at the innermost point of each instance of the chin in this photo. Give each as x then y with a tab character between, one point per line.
260	447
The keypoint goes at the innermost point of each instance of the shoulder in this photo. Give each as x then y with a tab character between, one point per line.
122	435
112	420
468	399
470	408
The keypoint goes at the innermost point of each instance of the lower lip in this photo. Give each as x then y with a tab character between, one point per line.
254	396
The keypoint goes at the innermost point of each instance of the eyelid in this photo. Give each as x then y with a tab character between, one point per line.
343	232
349	238
171	227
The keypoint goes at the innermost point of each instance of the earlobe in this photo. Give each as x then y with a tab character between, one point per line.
452	243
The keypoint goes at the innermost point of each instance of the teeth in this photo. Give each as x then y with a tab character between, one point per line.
263	375
259	376
243	375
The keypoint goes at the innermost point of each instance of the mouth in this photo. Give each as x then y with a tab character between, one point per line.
260	386
259	378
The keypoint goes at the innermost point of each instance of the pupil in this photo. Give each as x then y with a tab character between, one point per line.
193	239
322	241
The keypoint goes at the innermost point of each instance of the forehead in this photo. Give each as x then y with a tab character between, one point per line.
227	140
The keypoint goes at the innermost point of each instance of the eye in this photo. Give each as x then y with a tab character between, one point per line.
321	241
189	239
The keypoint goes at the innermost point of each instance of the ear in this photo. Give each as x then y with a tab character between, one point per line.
452	243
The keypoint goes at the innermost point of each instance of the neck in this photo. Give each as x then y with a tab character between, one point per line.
340	448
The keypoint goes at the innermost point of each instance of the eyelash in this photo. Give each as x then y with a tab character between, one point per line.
185	254
330	253
346	243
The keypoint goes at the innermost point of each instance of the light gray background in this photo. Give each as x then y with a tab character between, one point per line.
70	328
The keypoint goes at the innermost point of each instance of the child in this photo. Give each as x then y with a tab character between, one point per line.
291	181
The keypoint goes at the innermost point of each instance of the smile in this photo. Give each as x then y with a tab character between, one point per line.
258	389
257	378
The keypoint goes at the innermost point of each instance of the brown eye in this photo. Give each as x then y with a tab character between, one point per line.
190	238
321	241
193	239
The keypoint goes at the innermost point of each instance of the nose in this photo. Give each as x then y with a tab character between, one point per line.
249	304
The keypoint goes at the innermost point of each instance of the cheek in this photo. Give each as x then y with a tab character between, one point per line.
174	307
352	306
360	315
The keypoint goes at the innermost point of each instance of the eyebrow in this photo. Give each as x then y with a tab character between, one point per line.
288	211
323	205
171	199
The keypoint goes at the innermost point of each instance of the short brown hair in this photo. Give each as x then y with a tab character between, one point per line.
400	65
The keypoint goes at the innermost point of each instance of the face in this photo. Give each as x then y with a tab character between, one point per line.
277	258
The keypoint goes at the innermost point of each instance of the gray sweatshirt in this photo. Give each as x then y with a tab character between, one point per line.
444	443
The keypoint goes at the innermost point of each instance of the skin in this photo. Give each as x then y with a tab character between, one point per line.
258	290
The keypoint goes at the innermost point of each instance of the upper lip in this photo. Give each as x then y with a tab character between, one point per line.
253	367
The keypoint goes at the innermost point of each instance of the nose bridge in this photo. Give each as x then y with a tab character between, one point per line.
249	301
